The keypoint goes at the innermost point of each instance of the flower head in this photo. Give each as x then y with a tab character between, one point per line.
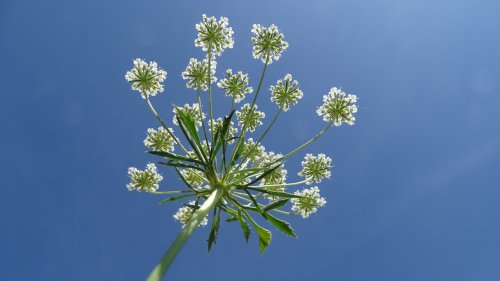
275	180
248	118
218	124
286	92
192	112
309	203
235	85
214	35
146	78
160	140
197	74
268	43
251	151
316	168
338	107
184	214
146	180
193	177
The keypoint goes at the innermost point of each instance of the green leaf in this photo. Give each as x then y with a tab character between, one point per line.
267	172
184	180
214	231
276	204
239	150
275	193
232	219
178	164
196	148
264	234
245	228
220	135
176	198
283	226
173	156
190	126
264	237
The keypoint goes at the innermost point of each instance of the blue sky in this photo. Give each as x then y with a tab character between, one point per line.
414	193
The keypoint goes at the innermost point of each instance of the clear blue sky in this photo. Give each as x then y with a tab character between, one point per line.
414	193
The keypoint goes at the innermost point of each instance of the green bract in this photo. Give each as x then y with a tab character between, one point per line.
226	172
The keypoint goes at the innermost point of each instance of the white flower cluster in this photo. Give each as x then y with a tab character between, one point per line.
160	140
218	126
251	151
197	74
184	214
275	180
193	177
146	180
309	203
146	78
192	111
239	177
316	168
268	43
338	107
286	92
214	35
248	118
235	85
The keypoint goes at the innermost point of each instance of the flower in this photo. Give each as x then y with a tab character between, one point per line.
286	93
146	180
192	112
193	177
205	146
267	43
338	108
251	151
146	78
184	214
309	202
249	119
214	36
236	85
218	126
160	140
275	180
316	168
197	74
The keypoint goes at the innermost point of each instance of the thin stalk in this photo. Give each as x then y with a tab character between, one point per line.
302	146
164	125
170	192
242	133
285	184
187	230
232	105
261	205
210	91
308	142
201	116
261	137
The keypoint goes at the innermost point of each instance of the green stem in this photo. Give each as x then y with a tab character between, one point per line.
210	92
242	133
261	137
201	116
261	205
170	192
187	230
308	142
163	124
285	184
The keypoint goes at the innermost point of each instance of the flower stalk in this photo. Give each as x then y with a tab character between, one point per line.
169	256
